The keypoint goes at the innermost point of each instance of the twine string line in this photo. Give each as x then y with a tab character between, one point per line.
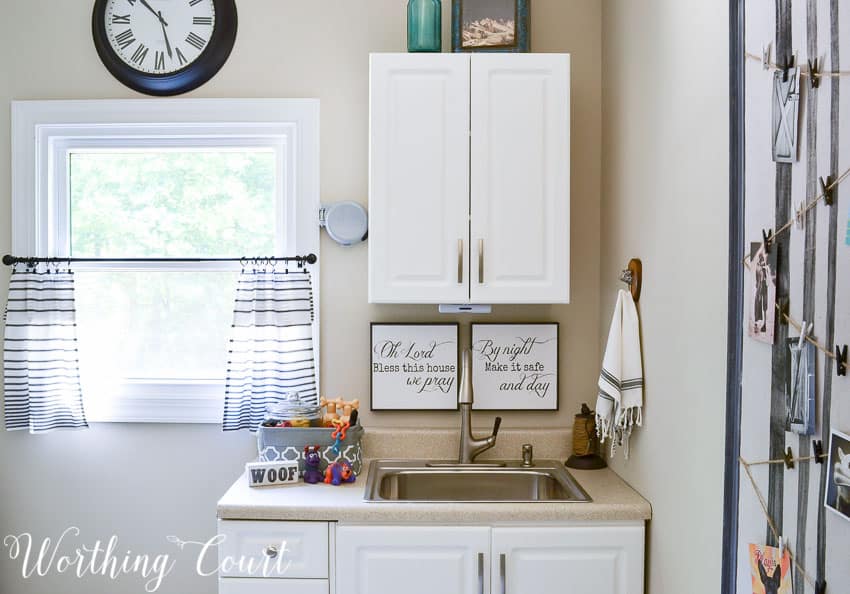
783	461
774	66
772	525
805	209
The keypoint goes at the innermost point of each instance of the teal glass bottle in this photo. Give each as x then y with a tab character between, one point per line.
424	26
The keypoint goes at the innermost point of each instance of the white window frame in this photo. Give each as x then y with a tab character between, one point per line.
43	134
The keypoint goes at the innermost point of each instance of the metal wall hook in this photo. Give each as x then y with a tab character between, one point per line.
633	276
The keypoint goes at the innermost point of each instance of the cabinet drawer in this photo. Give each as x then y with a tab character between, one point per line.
302	549
251	586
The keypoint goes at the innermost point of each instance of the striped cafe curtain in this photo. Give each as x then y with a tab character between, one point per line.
271	345
40	362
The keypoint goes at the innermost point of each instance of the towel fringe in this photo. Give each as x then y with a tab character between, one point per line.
618	427
603	428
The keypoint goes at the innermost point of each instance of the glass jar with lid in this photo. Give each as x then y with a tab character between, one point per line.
292	411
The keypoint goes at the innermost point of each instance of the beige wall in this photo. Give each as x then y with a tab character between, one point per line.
145	482
665	196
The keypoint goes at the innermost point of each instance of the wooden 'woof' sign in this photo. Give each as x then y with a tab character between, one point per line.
267	474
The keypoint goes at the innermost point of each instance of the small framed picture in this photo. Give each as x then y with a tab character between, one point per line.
490	26
414	367
838	477
515	366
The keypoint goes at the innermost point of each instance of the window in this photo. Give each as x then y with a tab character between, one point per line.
162	179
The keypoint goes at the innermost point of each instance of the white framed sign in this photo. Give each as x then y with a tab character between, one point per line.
414	366
515	366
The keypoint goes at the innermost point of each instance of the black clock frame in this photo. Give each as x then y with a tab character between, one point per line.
192	76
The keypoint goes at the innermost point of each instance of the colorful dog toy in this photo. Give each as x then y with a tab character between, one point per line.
338	409
312	461
338	434
338	473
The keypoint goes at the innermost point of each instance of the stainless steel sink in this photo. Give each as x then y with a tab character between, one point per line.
447	482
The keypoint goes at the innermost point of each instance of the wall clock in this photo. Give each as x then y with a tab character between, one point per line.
164	47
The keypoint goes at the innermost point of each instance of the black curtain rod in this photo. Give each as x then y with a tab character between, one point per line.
12	260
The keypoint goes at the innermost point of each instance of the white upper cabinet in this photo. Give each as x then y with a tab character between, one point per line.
469	178
419	179
520	182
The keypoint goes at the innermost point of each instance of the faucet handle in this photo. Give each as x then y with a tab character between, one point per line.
496	426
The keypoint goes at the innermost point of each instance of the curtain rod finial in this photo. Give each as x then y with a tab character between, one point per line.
8	260
312	259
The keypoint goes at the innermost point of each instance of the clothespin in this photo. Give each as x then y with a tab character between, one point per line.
820	587
784	310
765	56
814	73
817	446
789	458
827	190
767	239
800	216
804	331
841	360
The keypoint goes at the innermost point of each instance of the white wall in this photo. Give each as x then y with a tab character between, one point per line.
145	482
664	199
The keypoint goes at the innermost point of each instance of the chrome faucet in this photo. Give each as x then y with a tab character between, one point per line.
470	447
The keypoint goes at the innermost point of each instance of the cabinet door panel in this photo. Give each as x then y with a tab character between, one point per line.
575	560
261	586
419	178
415	560
520	178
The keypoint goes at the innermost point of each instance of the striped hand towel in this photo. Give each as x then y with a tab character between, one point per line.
620	401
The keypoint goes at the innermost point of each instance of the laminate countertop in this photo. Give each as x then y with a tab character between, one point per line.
613	500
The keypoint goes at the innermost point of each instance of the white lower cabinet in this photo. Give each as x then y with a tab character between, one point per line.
274	557
273	549
412	560
569	560
576	558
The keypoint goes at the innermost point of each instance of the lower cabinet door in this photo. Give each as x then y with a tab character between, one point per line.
569	560
412	560
264	586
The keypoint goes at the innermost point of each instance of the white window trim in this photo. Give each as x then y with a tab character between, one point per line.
41	130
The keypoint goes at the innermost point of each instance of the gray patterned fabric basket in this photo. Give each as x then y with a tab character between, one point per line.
288	443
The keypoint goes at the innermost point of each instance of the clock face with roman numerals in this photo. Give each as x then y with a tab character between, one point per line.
164	47
159	36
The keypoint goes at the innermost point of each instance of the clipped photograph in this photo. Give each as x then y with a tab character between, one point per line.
838	479
763	297
770	569
800	388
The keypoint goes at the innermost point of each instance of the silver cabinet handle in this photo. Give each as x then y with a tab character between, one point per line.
480	261
480	573
460	261
503	572
271	552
